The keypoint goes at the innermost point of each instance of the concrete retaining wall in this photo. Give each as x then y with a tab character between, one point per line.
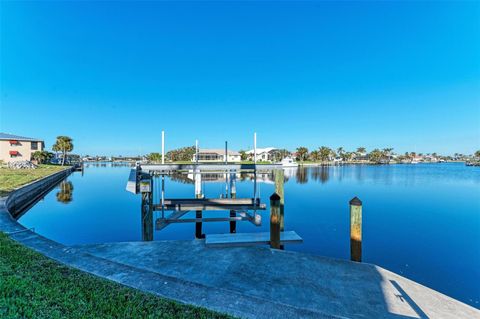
24	197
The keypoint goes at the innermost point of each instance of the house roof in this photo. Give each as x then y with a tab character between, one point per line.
262	150
217	151
8	137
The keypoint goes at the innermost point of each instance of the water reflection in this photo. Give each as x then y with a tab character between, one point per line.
65	194
108	164
408	175
302	175
321	173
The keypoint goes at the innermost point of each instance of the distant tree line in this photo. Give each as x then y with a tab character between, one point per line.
321	154
326	154
179	154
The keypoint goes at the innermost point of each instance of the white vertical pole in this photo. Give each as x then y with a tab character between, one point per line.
255	168
163	147
226	153
255	147
196	151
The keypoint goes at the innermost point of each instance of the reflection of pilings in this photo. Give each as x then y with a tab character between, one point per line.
233	194
147	209
279	180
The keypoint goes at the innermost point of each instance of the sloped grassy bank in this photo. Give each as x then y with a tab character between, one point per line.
34	286
13	178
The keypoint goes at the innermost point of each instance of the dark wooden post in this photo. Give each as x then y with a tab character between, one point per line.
356	229
279	180
198	225
147	207
275	221
198	213
233	194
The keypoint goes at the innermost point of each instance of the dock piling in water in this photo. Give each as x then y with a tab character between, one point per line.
279	180
275	221
356	229
147	207
198	213
233	194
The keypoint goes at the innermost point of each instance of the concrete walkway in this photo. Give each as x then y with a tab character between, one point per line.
311	286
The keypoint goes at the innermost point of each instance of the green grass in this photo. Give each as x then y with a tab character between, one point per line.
13	178
258	162
34	286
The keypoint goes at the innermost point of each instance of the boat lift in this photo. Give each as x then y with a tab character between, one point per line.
173	209
240	209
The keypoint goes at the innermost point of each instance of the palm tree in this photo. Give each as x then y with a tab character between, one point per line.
361	150
324	153
375	156
387	152
63	144
340	151
154	157
243	155
347	156
314	156
42	156
302	153
477	154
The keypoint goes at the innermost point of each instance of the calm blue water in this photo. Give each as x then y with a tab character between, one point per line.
421	221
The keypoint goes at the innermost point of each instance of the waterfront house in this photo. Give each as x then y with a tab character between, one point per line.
18	148
263	154
216	156
361	156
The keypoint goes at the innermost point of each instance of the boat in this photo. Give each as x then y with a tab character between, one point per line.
288	162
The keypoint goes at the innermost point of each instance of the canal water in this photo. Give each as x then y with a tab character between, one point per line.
421	221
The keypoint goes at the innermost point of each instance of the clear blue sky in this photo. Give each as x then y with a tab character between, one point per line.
112	75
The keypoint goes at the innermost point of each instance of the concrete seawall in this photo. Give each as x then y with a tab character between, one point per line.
24	197
248	282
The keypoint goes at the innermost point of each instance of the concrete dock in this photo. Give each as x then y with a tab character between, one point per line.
309	286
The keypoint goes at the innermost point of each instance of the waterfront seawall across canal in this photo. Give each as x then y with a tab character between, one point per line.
250	282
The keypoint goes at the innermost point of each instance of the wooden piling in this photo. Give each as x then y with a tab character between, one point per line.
233	194
275	221
279	181
198	213
147	207
198	225
356	229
